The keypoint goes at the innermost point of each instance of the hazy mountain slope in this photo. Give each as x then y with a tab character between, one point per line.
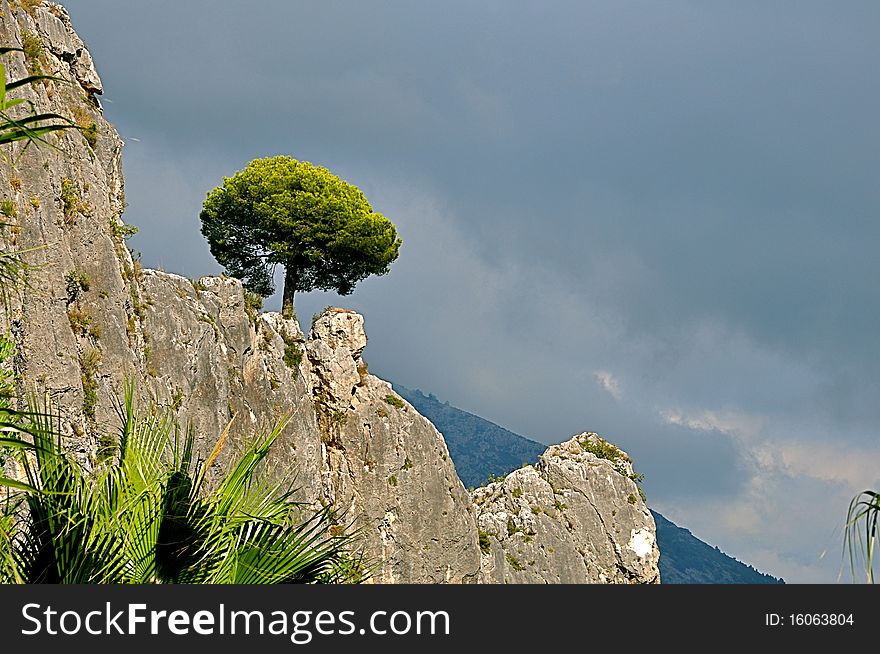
685	559
480	448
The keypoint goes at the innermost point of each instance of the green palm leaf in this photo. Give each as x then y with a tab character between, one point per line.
147	517
26	128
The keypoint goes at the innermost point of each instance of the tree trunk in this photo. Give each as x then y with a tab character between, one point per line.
290	280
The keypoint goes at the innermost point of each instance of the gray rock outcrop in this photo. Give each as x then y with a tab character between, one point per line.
576	517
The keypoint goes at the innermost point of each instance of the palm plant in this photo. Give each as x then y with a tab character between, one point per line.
862	531
148	516
33	126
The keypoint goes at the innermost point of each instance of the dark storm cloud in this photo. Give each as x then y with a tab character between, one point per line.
654	220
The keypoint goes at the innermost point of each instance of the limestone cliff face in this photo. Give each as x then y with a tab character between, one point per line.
92	319
573	518
73	330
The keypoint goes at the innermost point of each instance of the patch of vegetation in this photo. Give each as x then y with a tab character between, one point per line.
381	412
339	418
87	126
35	202
90	133
602	449
30	5
394	401
511	526
88	366
253	304
605	450
69	199
80	320
198	285
176	399
32	45
121	230
292	355
77	282
492	479
274	384
485	543
559	505
514	562
407	464
15	183
516	492
392	480
8	208
631	499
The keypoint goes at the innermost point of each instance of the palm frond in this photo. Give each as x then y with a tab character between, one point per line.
30	79
146	517
862	532
27	128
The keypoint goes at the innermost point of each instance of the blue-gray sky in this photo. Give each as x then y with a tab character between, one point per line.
654	220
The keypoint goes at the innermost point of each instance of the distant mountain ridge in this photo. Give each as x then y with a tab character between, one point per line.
480	449
685	559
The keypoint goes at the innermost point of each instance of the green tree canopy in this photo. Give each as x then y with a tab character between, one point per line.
282	211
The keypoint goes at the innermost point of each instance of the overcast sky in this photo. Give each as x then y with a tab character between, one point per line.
653	220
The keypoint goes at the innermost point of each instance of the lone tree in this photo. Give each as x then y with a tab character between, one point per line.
283	211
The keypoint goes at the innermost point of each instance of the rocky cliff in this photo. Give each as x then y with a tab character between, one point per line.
92	318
